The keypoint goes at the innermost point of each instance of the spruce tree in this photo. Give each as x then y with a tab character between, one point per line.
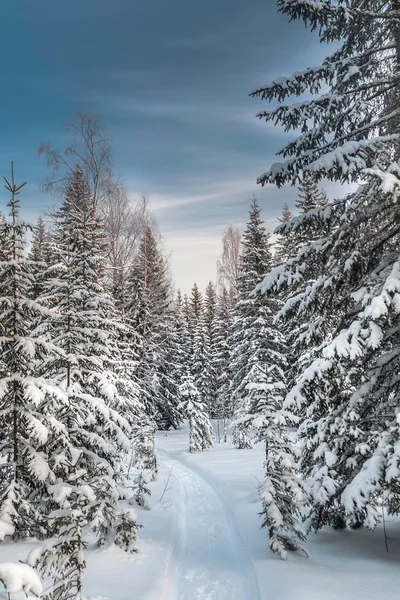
196	412
255	262
196	307
42	253
210	367
42	247
186	311
87	457
282	494
183	343
347	391
353	115
201	362
286	246
30	402
224	408
148	306
309	195
169	371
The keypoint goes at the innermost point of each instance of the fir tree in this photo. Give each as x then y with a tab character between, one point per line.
196	309
43	254
148	307
224	408
87	458
255	262
347	391
282	493
286	246
201	362
30	403
309	195
196	413
210	367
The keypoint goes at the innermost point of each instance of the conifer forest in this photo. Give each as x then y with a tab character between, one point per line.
238	440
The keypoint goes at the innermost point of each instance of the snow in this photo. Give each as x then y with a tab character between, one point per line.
5	529
18	577
202	540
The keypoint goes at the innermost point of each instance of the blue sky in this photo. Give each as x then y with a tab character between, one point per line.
170	81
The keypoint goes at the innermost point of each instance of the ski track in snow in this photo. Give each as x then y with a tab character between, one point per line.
207	559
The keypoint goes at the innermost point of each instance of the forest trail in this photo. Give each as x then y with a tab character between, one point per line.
207	559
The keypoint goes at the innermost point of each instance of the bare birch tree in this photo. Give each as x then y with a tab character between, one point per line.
123	223
89	146
228	265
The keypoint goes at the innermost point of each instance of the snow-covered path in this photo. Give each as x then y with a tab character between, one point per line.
207	558
202	540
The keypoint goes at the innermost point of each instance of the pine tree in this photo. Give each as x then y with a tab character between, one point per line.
196	413
30	402
347	393
255	262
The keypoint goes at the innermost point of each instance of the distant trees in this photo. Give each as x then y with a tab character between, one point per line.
228	265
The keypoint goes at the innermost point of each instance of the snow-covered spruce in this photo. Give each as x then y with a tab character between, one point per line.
148	307
194	311
347	392
353	114
210	371
42	253
193	407
249	319
30	400
224	408
86	457
292	240
201	366
283	495
141	490
285	247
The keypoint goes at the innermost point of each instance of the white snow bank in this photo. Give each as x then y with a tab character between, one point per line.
17	577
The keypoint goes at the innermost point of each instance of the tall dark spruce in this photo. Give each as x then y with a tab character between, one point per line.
347	394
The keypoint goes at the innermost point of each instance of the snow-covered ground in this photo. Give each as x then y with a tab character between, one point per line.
202	540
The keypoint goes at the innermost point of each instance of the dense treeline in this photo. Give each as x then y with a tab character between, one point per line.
296	346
